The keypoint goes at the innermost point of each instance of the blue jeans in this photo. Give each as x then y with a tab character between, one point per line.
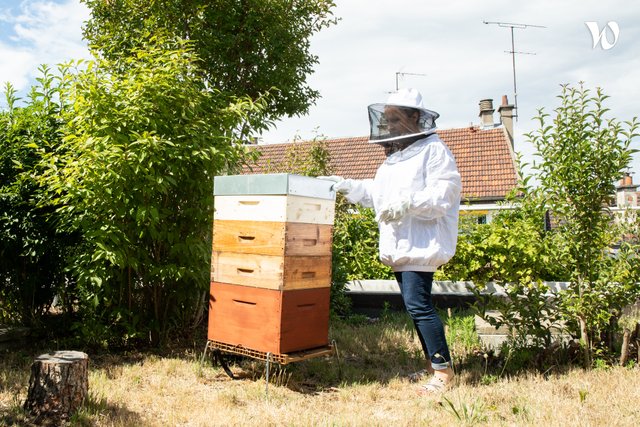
415	287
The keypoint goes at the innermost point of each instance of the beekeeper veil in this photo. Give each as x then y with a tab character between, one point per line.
402	116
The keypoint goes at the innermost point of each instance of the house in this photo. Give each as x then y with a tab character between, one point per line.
626	206
627	194
484	155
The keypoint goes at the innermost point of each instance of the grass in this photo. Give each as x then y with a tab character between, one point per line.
368	387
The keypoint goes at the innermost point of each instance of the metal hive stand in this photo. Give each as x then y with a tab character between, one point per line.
218	348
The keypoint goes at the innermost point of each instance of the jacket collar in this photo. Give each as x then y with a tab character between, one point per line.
411	150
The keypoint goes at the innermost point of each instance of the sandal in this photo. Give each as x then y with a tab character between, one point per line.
436	385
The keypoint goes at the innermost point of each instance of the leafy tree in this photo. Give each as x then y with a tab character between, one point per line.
142	141
32	251
247	47
307	158
581	156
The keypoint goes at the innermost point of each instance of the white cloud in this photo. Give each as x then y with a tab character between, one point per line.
40	32
15	66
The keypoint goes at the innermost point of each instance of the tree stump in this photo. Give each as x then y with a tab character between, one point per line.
58	385
624	352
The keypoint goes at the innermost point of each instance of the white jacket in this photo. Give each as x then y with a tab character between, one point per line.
426	175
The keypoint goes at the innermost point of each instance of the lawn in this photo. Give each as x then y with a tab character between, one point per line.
366	385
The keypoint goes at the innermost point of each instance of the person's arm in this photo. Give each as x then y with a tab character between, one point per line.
360	192
355	191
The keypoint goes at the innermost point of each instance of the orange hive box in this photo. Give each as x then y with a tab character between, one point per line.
269	320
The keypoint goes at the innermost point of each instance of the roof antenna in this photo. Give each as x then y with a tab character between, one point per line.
399	73
513	53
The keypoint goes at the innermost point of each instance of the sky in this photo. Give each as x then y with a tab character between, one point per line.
443	48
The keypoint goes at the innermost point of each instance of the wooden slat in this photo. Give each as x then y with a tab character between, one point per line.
306	272
271	272
272	238
309	210
249	237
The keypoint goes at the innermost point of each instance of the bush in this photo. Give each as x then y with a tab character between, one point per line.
133	179
32	249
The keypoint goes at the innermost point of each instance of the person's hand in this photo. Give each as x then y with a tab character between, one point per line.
340	184
395	210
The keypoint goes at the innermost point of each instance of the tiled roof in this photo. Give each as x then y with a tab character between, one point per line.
484	157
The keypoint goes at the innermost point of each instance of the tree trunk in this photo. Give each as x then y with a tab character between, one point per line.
58	385
586	342
624	352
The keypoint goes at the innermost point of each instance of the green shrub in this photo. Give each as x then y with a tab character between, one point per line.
32	248
143	140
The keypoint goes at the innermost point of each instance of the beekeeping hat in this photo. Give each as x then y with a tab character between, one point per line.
405	101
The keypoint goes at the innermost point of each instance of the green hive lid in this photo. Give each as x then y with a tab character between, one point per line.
273	184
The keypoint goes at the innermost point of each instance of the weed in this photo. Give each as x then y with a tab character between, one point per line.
583	395
386	311
468	414
461	333
489	379
279	376
520	411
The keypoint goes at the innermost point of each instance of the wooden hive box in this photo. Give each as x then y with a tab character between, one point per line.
268	320
272	238
271	272
278	208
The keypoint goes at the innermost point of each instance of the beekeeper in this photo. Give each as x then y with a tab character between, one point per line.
416	198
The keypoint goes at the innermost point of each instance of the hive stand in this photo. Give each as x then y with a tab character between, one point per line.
219	349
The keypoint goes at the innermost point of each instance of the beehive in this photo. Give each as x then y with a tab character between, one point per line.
271	262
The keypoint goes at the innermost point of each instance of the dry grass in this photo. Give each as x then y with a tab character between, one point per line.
367	388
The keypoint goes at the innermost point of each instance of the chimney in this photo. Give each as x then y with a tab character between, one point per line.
626	195
506	117
486	113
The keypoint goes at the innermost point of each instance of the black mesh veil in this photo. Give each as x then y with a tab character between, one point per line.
388	123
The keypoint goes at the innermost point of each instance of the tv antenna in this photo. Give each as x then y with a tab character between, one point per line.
399	73
513	53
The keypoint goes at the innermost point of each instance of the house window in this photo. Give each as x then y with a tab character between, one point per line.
482	219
